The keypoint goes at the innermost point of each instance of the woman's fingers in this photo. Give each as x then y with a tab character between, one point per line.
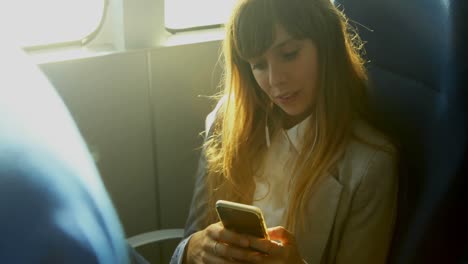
281	234
218	233
281	240
228	245
236	253
265	246
224	246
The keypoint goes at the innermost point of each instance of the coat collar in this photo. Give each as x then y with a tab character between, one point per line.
295	135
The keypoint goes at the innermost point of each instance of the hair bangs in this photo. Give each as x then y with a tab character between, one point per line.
254	28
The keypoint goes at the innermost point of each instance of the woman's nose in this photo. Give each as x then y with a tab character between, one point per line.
276	75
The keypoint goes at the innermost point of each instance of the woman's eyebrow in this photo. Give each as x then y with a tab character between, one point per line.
273	47
282	43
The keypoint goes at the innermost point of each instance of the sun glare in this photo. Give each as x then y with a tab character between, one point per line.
180	14
52	21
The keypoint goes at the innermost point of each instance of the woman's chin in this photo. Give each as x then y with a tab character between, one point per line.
293	118
295	113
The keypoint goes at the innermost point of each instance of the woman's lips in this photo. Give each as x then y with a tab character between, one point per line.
287	98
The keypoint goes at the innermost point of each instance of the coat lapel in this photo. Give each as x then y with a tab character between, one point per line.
320	217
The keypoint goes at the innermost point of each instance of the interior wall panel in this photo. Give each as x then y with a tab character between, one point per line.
182	77
142	112
108	98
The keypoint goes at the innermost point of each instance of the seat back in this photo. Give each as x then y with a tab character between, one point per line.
409	48
54	205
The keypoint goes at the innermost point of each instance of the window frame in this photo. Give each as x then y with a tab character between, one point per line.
78	42
194	28
180	30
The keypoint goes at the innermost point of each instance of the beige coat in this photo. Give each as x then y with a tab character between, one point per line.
350	218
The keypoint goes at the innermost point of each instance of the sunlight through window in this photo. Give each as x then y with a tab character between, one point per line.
53	21
183	14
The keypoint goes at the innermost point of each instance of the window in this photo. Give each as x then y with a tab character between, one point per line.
187	14
45	22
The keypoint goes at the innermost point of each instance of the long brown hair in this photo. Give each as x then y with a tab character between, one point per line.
237	141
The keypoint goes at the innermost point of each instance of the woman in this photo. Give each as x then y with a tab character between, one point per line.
290	136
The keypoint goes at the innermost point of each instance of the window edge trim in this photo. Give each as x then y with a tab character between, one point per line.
186	29
79	42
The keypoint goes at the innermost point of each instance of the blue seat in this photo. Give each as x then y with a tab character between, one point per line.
418	97
54	206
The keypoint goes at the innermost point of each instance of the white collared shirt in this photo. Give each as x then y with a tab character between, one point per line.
272	192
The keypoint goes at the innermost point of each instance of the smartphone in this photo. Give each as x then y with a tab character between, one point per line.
242	218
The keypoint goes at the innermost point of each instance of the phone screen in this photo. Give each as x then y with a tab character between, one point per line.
241	221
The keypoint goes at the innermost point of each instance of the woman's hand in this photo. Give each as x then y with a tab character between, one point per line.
281	248
215	244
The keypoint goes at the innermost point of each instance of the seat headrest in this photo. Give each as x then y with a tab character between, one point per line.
410	38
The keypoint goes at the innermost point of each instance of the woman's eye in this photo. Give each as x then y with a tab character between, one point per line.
291	55
258	66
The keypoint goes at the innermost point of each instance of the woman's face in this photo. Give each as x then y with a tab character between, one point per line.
287	73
